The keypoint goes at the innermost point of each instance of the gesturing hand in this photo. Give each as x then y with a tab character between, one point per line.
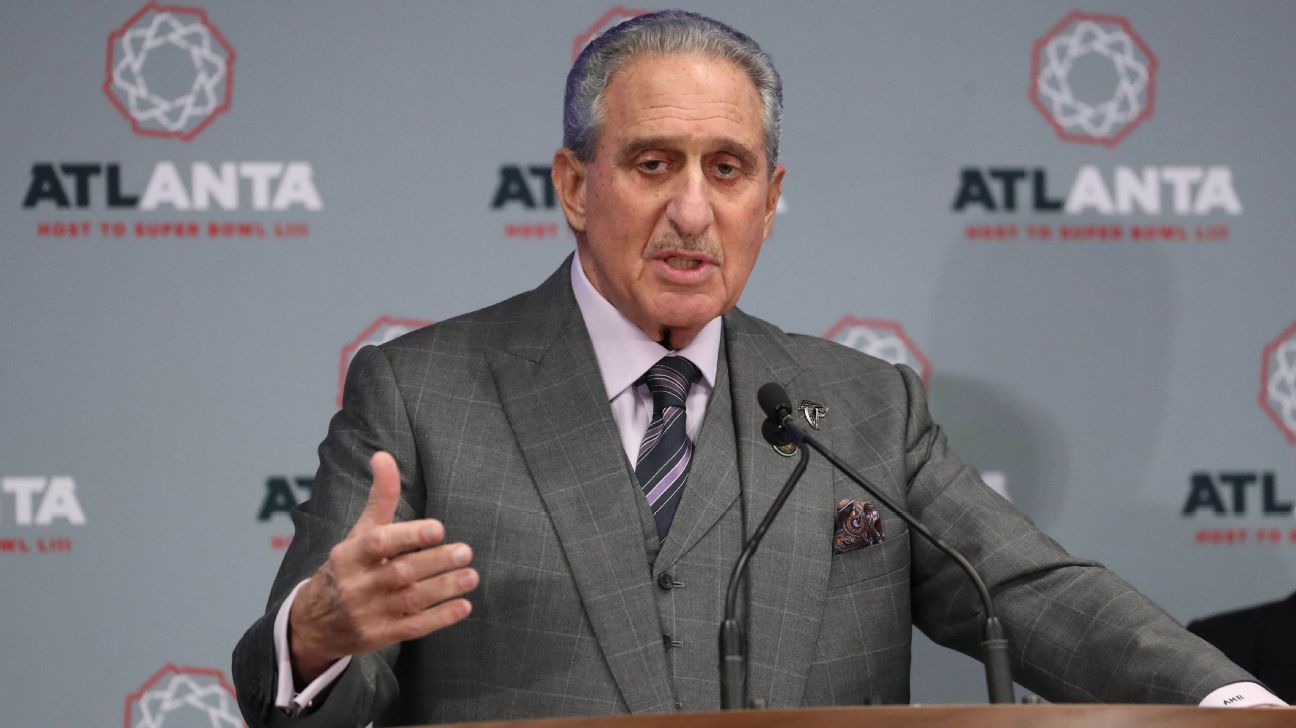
385	583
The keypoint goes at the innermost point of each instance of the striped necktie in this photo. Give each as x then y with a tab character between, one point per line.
666	451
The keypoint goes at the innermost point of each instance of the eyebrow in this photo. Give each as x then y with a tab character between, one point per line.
745	154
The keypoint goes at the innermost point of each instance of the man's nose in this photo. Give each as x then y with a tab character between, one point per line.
689	209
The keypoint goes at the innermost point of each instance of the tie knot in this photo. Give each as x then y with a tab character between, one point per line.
669	381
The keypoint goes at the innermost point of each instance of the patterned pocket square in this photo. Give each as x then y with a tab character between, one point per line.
858	525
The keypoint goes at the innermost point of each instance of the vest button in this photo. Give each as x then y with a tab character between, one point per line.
665	581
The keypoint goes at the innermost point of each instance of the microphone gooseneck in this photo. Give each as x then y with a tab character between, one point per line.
733	657
774	402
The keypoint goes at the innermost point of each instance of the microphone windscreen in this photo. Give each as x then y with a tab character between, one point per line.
773	397
773	433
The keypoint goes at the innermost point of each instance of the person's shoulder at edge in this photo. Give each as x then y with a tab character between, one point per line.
488	327
823	352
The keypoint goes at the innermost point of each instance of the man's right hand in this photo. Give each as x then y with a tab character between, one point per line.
385	583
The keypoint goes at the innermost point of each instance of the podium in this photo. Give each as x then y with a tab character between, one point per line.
958	716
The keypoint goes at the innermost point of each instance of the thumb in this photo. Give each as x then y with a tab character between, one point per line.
384	494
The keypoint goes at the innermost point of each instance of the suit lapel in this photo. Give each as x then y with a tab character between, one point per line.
789	573
553	396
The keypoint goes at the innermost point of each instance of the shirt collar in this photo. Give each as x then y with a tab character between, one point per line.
623	351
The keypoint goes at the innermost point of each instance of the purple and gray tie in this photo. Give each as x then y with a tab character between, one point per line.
666	451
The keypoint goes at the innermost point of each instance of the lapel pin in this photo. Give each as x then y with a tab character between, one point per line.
813	412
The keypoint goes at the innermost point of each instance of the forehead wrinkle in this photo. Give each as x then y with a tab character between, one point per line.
705	100
732	129
667	114
715	110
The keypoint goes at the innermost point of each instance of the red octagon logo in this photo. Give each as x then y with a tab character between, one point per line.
182	696
1093	78
1278	382
383	329
885	340
615	16
169	72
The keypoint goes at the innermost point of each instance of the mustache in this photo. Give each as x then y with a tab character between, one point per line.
703	244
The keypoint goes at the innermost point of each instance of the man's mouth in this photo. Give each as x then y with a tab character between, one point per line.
682	263
683	259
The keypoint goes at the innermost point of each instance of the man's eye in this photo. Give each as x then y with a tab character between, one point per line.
724	169
652	165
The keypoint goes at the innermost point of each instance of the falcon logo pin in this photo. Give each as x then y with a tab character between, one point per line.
813	412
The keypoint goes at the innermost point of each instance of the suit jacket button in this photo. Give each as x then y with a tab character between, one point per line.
665	582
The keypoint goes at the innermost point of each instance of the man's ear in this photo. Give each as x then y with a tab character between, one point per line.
772	198
569	184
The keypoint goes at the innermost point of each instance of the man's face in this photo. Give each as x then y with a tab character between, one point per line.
671	213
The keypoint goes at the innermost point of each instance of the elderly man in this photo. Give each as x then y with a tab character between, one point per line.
593	447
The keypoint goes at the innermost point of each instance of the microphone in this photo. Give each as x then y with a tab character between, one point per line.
774	402
733	658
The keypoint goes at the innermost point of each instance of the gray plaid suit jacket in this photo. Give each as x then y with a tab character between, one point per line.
501	428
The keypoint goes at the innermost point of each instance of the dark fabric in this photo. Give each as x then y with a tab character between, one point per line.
1261	640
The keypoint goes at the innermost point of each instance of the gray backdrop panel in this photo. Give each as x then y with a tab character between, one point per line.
170	378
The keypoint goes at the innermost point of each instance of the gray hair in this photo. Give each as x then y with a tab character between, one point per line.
665	32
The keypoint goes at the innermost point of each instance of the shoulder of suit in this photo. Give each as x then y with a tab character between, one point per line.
811	351
542	309
455	343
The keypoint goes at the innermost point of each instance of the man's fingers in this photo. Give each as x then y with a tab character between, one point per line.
387	542
430	620
384	493
384	583
430	592
412	568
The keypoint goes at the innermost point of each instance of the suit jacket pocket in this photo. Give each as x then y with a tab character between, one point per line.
870	562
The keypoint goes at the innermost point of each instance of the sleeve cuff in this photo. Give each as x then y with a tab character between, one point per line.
286	697
1240	695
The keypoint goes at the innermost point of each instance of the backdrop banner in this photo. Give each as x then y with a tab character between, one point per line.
1073	221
